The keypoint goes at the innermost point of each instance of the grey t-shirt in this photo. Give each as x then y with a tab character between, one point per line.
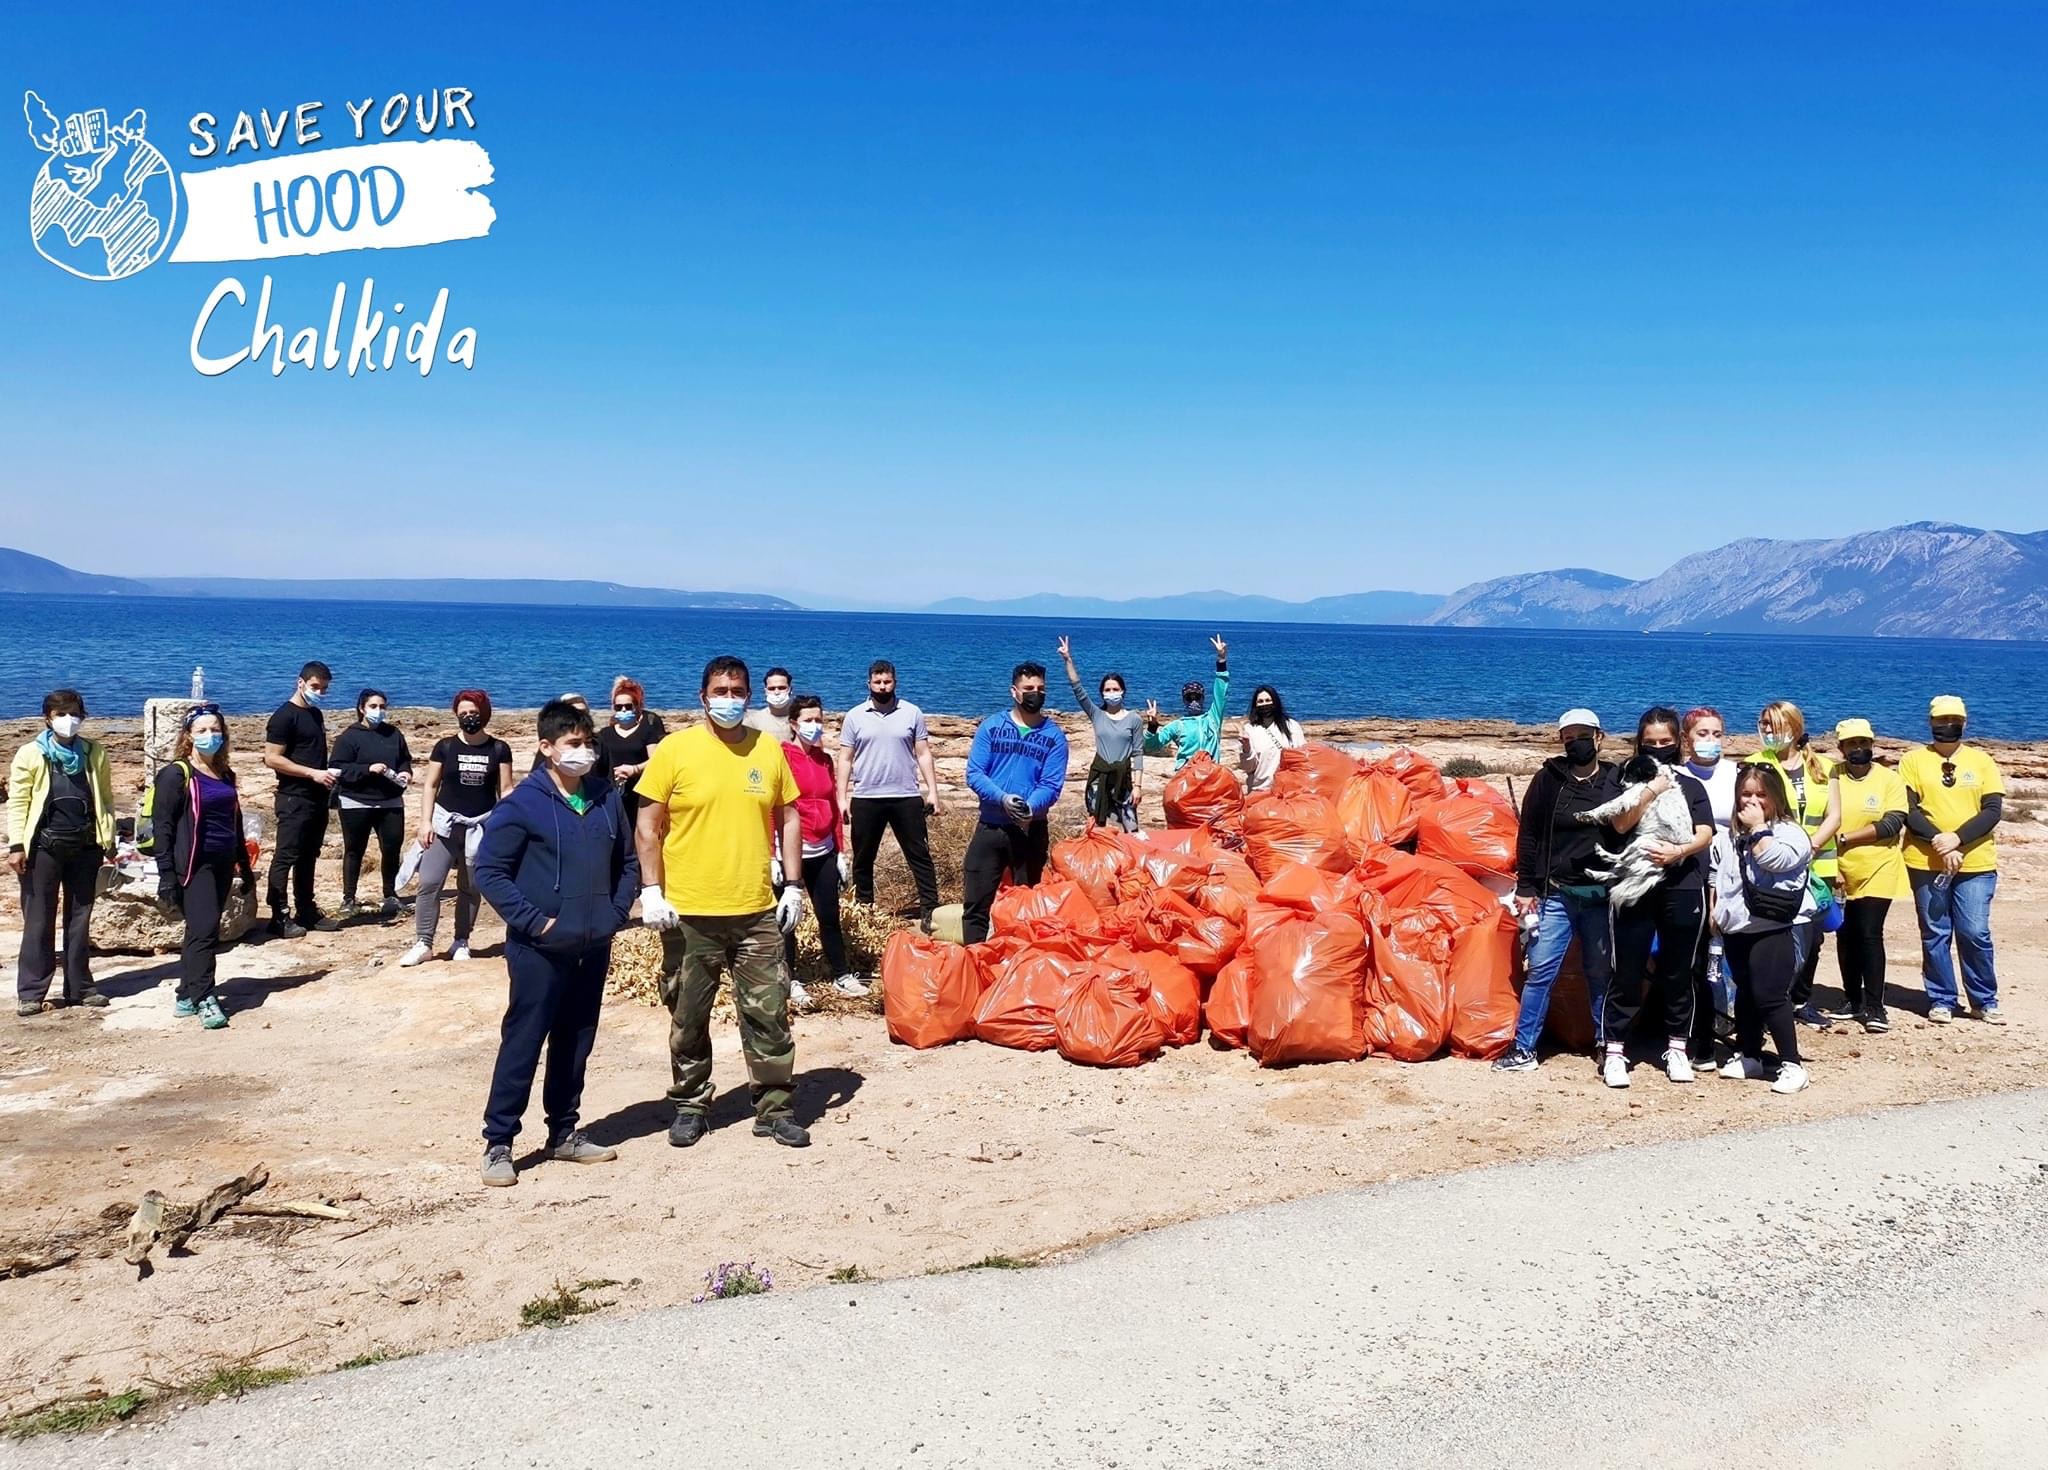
884	748
1118	736
759	717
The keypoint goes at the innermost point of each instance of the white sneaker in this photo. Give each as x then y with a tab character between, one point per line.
1743	1069
461	953
851	986
1677	1065
419	954
1614	1071
1791	1078
799	997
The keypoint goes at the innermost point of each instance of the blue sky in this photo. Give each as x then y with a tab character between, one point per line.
893	302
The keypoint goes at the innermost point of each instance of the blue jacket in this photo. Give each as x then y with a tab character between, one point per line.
539	860
1008	760
1193	735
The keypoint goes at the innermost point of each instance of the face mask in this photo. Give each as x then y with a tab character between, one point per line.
1774	741
1663	755
373	717
209	743
1112	701
1943	734
726	710
316	697
64	726
1581	749
627	716
470	723
811	730
1196	706
1031	701
778	699
882	701
1861	759
573	760
1263	713
1706	751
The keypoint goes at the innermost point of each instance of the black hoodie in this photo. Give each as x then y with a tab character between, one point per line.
361	747
1554	844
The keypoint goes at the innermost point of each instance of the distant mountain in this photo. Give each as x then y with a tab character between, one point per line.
1929	579
20	572
1224	607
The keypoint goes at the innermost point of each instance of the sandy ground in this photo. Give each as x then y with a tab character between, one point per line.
360	1083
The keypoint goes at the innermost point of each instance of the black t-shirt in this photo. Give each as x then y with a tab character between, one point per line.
469	774
1692	873
631	747
302	732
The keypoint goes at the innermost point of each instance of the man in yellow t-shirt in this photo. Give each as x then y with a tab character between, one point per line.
1955	798
1872	801
715	800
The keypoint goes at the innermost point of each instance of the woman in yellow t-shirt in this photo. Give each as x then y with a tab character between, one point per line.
1808	777
1871	800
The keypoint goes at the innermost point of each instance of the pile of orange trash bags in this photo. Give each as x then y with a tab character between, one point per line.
1289	924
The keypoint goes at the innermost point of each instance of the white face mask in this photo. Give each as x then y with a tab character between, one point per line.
573	760
778	699
1112	701
64	726
811	730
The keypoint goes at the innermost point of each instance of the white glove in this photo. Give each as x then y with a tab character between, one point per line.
656	912
789	909
845	867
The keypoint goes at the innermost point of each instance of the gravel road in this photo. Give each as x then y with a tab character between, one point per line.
1865	1291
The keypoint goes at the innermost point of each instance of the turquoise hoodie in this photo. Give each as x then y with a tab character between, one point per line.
1193	735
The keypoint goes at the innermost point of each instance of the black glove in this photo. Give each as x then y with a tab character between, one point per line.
169	895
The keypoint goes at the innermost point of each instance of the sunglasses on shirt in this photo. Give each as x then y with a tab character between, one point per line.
1948	773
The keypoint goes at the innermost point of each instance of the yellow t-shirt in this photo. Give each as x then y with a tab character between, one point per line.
721	802
1948	807
1874	869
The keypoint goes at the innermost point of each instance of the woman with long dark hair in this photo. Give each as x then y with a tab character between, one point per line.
1761	903
375	767
196	819
467	775
1116	774
1265	733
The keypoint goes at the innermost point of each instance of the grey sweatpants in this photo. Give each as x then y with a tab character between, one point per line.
445	856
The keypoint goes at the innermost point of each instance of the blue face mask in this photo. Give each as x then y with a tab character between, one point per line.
373	717
625	719
726	711
1706	752
315	697
209	743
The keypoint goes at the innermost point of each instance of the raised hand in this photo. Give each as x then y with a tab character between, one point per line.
1222	649
1066	648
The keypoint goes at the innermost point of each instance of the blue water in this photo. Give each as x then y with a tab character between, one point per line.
121	651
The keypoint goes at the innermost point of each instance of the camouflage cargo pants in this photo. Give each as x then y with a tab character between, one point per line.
693	955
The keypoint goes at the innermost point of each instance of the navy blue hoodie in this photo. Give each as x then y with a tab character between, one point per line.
539	860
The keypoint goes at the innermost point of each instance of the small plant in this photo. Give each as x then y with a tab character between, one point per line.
77	1416
1461	766
371	1359
556	1307
999	1263
731	1279
232	1381
848	1275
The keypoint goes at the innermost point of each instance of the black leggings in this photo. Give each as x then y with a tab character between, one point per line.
995	849
1676	919
1765	965
821	882
1859	950
202	900
357	823
1809	963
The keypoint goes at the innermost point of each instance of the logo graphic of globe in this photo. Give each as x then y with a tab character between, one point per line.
105	203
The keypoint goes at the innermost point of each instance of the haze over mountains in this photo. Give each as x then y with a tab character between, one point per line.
1929	579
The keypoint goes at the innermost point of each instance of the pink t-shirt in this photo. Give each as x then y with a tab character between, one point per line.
817	801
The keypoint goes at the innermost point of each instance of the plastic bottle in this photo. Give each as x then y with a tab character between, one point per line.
199	681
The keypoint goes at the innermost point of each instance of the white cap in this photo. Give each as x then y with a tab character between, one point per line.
1579	717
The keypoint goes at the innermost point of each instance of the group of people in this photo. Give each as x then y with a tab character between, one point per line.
1776	852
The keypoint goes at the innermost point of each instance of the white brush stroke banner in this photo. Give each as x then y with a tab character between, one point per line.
379	196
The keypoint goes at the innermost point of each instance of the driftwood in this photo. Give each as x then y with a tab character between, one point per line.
30	1262
305	1209
157	1220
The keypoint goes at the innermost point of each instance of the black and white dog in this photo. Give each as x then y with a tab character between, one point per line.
1630	873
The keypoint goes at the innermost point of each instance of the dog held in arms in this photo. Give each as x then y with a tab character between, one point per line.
1631	873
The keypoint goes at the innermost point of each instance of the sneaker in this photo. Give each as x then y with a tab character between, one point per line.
1876	1025
28	1008
576	1148
1677	1065
799	998
785	1131
460	954
1516	1059
1940	1015
211	1016
1614	1070
1812	1015
93	1000
1743	1069
391	908
687	1129
851	986
419	954
349	909
1992	1014
283	928
1837	1013
183	1007
498	1171
320	923
1791	1078
1706	1062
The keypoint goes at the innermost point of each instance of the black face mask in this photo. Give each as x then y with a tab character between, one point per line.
1860	759
1664	755
882	701
1581	750
470	723
1945	733
1031	701
1262	714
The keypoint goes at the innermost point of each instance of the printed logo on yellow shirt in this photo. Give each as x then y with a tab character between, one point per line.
753	778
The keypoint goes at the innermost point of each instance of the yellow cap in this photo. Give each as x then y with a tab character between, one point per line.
1946	704
1855	730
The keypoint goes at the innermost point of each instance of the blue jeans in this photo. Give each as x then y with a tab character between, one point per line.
1960	907
1562	918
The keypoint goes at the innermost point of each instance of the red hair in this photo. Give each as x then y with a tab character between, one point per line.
1700	712
626	684
475	696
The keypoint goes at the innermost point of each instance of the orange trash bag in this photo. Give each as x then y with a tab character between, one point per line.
1105	1021
1483	789
1226	1009
1298	886
1476	834
1015	910
1193	841
1176	996
1203	794
992	957
1484	1005
1228	890
1375	807
1407	1007
1409	881
1314	769
1017	1010
1308	976
1293	829
1165	921
1091	863
929	990
1415	771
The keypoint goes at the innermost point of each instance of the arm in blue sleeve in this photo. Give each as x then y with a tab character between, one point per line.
1212	717
1160	741
626	859
978	780
1052	776
497	859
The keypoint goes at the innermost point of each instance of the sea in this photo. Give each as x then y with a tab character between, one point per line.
121	651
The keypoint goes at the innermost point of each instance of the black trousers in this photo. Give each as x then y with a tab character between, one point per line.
357	823
994	850
870	817
821	882
47	879
202	900
553	1004
1676	919
1859	950
1765	966
301	828
1809	962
